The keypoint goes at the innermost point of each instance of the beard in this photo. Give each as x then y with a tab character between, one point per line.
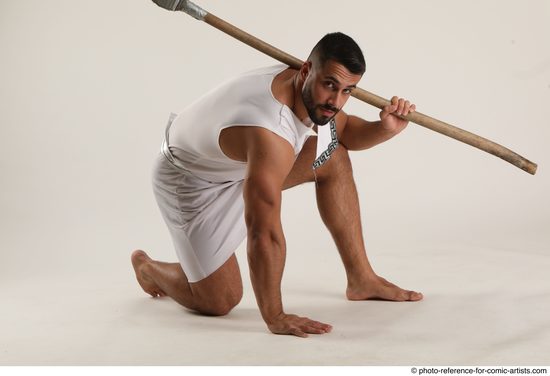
313	109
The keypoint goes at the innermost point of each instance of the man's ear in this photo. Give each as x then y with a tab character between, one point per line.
305	70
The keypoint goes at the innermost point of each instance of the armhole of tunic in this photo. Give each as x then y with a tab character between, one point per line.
280	134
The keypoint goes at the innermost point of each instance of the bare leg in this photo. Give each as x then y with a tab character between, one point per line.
338	205
215	295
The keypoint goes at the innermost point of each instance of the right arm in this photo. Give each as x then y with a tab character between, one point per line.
269	160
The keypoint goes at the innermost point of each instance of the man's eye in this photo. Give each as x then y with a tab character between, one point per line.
329	84
347	91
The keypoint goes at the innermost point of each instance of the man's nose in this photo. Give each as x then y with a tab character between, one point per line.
334	99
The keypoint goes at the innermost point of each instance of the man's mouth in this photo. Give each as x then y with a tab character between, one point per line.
328	111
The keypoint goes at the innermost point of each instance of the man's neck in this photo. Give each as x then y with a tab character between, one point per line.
287	89
298	107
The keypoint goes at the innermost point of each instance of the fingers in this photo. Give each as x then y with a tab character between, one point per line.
299	326
389	108
316	327
307	326
398	106
298	333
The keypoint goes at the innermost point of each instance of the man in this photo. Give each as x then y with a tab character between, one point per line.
233	151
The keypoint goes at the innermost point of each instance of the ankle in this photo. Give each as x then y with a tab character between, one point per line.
359	280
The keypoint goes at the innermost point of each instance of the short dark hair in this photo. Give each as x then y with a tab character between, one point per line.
340	48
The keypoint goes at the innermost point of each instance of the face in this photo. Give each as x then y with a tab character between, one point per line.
326	89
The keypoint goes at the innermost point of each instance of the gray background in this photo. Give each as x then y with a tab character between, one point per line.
86	88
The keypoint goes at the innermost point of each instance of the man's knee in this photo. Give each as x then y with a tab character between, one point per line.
222	303
341	155
338	164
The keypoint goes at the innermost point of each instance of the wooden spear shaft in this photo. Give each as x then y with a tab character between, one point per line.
361	94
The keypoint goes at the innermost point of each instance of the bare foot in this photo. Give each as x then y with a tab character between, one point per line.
140	260
379	288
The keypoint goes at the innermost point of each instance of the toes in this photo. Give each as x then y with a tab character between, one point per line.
415	296
397	294
137	253
402	296
381	289
139	256
409	296
394	293
136	258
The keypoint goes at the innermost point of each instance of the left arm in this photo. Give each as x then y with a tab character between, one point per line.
359	134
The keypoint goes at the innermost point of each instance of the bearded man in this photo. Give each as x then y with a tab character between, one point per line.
223	165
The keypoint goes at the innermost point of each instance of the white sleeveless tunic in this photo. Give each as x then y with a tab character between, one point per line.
245	101
197	187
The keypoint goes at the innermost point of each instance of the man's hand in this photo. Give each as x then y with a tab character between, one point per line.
390	121
296	325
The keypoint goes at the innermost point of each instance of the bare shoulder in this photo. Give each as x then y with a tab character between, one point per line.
265	147
240	143
341	122
237	142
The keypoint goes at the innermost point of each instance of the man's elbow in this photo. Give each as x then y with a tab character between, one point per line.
264	229
260	229
263	214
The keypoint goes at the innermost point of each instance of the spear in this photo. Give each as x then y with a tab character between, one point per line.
361	94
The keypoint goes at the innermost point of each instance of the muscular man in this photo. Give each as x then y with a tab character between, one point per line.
224	163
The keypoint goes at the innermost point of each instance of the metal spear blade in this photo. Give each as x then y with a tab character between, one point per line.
170	4
183	5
